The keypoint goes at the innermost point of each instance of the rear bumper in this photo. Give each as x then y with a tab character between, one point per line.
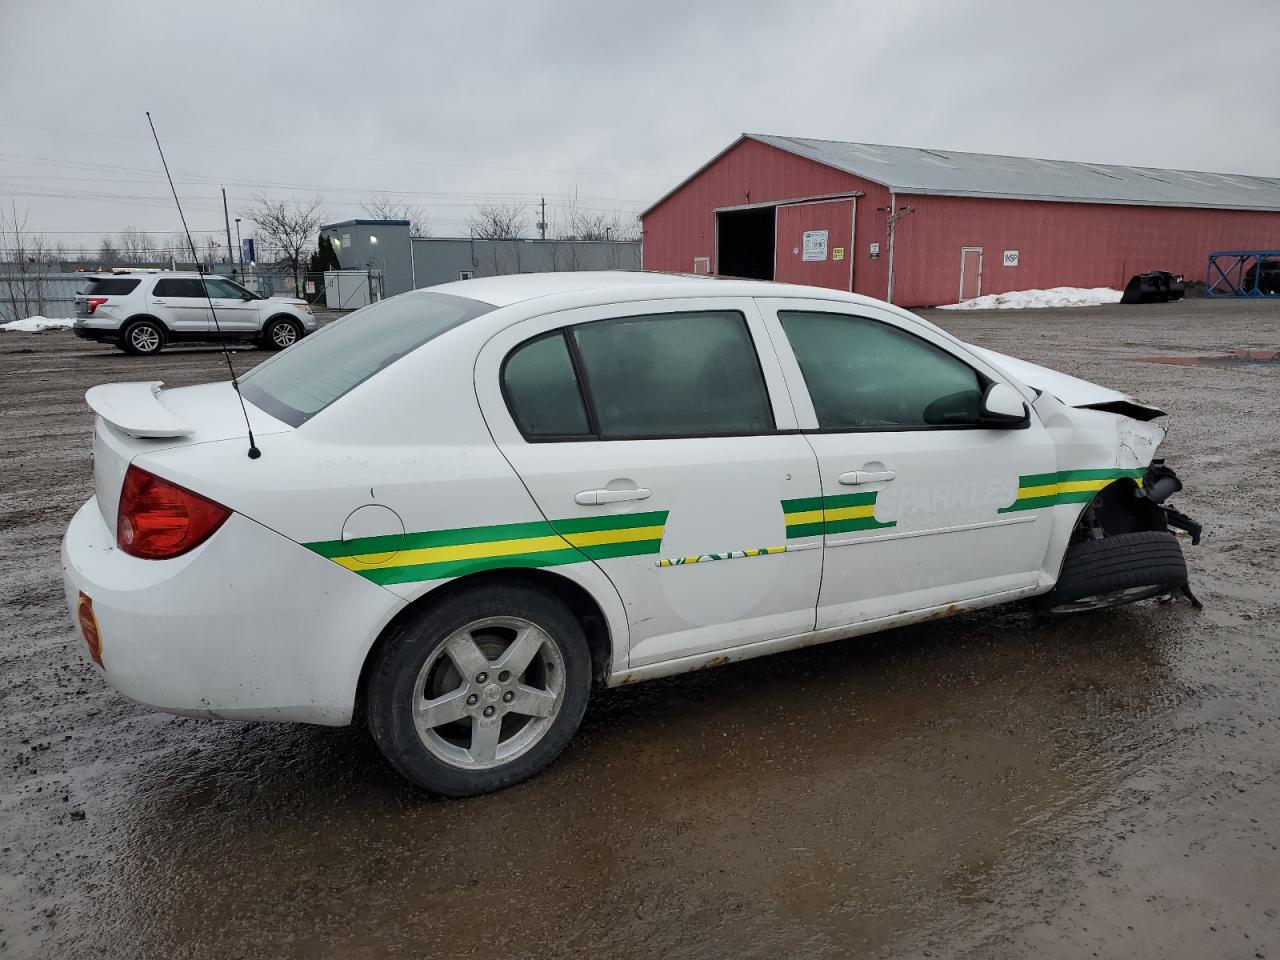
97	334
248	626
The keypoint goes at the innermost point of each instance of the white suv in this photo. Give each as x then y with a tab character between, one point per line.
140	313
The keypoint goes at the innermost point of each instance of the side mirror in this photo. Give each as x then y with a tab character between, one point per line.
247	296
1004	406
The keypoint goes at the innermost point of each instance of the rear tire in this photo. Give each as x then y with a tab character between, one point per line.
1113	571
142	338
281	332
479	691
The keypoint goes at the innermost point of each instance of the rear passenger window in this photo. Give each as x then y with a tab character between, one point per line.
673	375
114	287
542	389
178	287
866	375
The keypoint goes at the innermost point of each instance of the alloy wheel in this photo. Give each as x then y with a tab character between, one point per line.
145	339
489	693
284	335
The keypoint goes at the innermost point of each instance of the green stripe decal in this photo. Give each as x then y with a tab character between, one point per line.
839	513
437	554
1039	490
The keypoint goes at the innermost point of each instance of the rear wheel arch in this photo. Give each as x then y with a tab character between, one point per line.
576	598
146	316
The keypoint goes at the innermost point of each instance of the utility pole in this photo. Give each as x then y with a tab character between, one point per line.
239	249
542	221
226	217
896	213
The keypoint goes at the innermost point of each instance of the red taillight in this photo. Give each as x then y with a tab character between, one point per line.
93	303
159	519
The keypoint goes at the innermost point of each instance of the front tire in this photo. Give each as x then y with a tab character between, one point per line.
142	338
480	691
281	332
1113	571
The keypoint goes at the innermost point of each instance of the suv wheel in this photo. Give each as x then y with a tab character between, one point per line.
281	332
480	691
142	338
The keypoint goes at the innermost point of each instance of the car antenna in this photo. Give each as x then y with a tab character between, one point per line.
254	452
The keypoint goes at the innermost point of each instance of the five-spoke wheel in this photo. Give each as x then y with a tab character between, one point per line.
480	690
490	692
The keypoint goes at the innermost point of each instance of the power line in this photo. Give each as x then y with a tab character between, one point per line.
79	135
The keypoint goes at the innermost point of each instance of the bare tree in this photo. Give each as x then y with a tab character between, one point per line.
25	288
290	226
135	246
108	252
382	207
498	221
577	222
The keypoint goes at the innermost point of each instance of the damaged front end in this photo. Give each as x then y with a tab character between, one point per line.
1123	546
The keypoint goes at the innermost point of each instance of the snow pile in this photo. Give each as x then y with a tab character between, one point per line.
36	325
1032	299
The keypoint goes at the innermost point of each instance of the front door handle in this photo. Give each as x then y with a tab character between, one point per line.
591	498
856	477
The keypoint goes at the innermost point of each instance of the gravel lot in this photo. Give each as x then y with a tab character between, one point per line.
986	786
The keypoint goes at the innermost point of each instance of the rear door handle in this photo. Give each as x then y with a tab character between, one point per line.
856	477
591	498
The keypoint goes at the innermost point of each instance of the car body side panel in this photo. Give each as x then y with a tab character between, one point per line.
427	458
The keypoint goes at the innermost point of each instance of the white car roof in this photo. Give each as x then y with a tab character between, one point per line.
615	285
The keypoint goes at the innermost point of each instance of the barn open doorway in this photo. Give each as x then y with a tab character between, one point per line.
744	239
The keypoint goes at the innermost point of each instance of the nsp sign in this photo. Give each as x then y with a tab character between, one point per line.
814	245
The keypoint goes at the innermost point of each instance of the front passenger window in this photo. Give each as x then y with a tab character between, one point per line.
867	375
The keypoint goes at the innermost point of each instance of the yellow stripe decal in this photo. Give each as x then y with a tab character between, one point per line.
1067	486
628	535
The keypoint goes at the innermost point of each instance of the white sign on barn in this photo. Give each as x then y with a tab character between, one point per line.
815	245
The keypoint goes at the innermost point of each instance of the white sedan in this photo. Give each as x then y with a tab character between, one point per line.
475	503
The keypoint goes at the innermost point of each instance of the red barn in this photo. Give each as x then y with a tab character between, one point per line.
924	227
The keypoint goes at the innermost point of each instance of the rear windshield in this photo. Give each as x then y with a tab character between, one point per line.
319	369
114	287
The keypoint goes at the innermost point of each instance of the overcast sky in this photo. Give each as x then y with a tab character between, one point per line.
446	104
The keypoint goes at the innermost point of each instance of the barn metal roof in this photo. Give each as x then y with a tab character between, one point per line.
953	173
915	170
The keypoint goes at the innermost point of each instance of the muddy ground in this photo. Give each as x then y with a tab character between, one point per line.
987	786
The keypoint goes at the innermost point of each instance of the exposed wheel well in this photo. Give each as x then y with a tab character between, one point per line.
1118	508
144	316
580	603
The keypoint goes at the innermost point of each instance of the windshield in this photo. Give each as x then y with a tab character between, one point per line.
316	371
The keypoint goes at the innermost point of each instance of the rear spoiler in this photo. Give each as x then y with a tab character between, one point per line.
135	409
